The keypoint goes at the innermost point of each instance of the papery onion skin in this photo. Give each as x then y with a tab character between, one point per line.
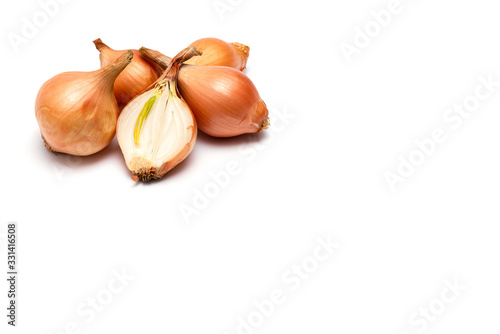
77	111
135	79
224	101
216	52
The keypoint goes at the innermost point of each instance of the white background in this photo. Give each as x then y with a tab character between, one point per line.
319	173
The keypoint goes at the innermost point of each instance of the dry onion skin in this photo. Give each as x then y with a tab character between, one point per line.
224	101
77	111
216	52
135	79
157	130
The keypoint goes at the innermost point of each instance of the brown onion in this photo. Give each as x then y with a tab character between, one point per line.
77	111
216	52
225	102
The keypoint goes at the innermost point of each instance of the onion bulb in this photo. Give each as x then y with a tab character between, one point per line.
224	101
157	130
77	111
135	79
216	52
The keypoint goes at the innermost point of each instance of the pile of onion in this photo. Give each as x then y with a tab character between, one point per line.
154	104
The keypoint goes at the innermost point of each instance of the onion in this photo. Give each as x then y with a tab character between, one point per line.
77	111
157	130
216	52
225	102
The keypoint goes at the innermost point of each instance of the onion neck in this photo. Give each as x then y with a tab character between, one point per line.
100	46
172	70
156	57
112	71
